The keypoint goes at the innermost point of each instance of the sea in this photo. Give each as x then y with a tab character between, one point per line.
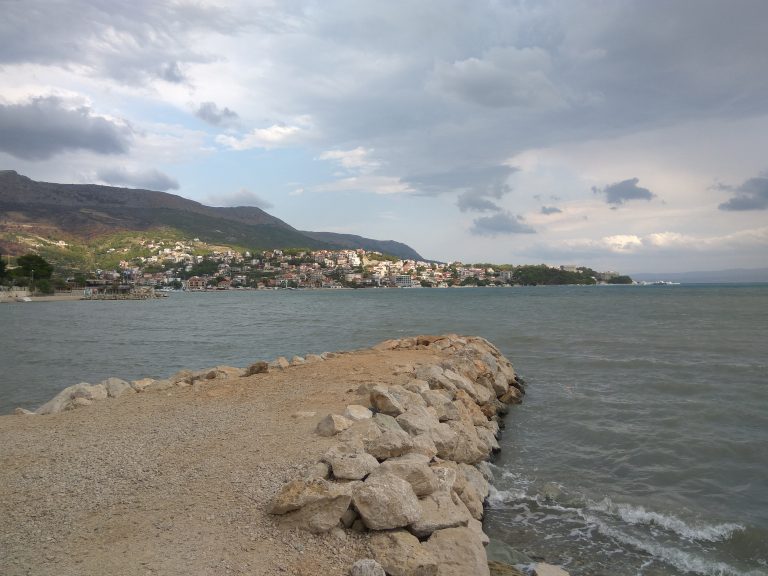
641	447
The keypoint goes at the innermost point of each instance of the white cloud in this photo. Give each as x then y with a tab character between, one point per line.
275	136
366	183
357	159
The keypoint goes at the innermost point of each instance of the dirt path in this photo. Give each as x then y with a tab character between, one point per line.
177	482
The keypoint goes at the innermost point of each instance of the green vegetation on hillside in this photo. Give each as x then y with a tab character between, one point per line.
544	275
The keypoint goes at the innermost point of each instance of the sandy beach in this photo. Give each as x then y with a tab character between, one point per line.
179	481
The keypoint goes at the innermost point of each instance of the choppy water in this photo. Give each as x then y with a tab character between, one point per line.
642	447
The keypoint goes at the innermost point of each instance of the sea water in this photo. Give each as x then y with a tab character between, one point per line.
642	444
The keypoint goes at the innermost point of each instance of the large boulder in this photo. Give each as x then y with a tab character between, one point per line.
445	439
350	463
332	424
355	412
417	420
469	447
394	400
460	552
440	510
65	400
401	554
386	501
441	402
312	504
367	567
116	387
414	469
389	444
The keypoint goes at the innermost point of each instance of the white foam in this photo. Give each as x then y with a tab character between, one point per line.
683	561
639	515
499	497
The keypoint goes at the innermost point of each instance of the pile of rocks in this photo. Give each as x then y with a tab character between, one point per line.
410	467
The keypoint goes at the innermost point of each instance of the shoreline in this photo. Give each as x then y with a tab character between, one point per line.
268	415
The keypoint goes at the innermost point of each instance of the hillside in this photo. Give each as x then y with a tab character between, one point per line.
33	212
352	241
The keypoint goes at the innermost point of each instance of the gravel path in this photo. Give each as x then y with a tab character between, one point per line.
177	482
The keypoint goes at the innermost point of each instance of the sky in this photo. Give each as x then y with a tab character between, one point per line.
622	135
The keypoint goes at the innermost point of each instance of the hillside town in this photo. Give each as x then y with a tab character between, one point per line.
176	266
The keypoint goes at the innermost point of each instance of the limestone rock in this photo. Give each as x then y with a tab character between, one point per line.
473	501
367	567
389	445
469	409
417	386
446	477
332	424
23	412
445	439
318	470
297	361
116	387
348	463
282	362
159	385
401	554
423	444
460	552
469	448
312	358
544	569
439	510
355	412
386	422
141	384
312	504
260	367
387	345
417	420
349	517
385	501
394	400
512	396
477	527
475	478
488	437
500	384
440	401
362	431
501	569
412	468
65	400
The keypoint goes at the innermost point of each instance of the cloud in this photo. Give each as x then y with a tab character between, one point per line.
146	179
366	183
212	114
275	136
750	195
620	192
503	223
357	159
547	210
46	126
243	197
468	202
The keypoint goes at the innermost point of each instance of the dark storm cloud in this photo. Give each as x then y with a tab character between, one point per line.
130	42
547	210
43	127
500	224
751	195
209	112
146	179
620	192
478	187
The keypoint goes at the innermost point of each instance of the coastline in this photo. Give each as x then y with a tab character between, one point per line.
201	454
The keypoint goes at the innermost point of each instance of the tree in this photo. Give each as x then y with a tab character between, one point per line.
32	265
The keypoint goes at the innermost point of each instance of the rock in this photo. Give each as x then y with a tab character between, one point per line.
387	345
332	424
485	469
412	468
297	361
64	400
367	567
350	464
355	412
223	373
439	511
488	437
501	552
469	410
23	412
386	422
159	386
389	445
512	396
460	552
183	377
385	501
140	385
475	478
423	444
551	492
463	383
544	569
116	387
312	504
469	448
417	386
318	470
260	367
500	384
282	362
426	340
401	554
361	431
312	358
349	517
417	420
440	401
500	569
477	527
445	439
385	401
327	355
78	403
473	501
446	477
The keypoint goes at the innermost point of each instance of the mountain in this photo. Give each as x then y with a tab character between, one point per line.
707	277
88	211
351	241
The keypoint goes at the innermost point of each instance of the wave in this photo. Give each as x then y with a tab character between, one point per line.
639	515
680	559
